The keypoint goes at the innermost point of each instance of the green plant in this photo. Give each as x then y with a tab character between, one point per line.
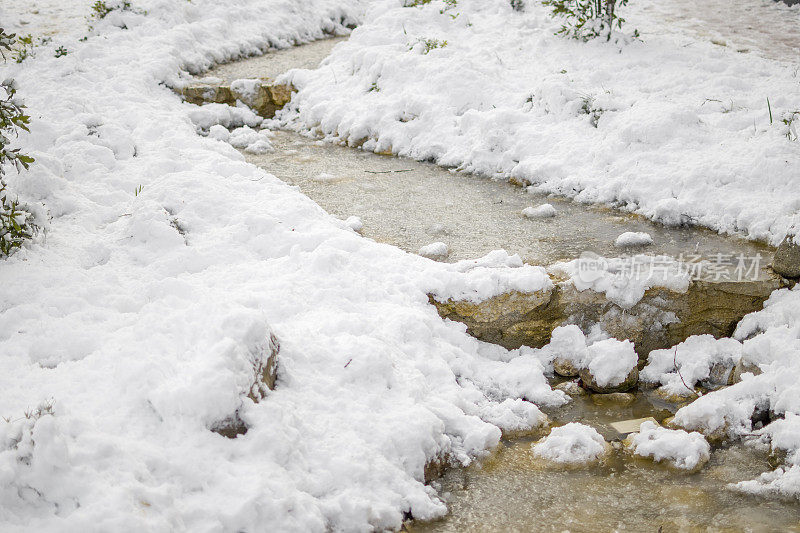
789	120
138	190
517	5
448	5
24	48
588	19
16	224
428	44
61	51
101	9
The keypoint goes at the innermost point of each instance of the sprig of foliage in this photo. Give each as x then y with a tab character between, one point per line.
588	19
428	44
101	9
16	224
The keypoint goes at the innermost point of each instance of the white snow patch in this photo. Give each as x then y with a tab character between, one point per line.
354	223
435	250
540	211
571	443
683	450
610	361
633	238
624	280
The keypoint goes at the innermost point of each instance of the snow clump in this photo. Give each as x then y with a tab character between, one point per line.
633	238
541	211
681	449
572	443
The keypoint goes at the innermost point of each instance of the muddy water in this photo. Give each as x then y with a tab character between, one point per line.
411	204
513	491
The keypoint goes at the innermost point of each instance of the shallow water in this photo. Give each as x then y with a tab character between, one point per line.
273	64
765	27
410	204
513	491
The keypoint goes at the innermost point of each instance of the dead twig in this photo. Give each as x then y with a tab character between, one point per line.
386	171
678	370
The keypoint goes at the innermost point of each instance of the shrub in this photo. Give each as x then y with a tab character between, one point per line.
16	224
587	19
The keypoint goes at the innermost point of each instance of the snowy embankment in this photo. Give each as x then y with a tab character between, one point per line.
672	128
138	319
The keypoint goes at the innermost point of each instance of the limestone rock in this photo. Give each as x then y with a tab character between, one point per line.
263	97
787	259
510	320
571	388
564	367
618	399
628	383
740	368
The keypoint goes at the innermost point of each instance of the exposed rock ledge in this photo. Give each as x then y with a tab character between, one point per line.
263	96
662	318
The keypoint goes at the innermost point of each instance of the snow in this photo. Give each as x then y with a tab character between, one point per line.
681	131
541	211
624	280
633	238
143	312
695	358
138	319
608	360
354	223
770	341
435	250
571	443
683	450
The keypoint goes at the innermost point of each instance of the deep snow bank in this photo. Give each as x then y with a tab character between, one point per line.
672	128
138	318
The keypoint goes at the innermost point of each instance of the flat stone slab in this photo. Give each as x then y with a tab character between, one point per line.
625	427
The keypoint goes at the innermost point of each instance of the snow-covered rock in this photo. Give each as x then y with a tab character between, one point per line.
540	211
571	443
631	239
611	366
683	450
437	251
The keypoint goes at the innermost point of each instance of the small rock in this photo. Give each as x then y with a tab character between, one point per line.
666	393
628	383
787	259
564	367
719	375
620	399
572	388
742	367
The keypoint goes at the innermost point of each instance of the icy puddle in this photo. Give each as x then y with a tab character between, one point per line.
514	491
411	204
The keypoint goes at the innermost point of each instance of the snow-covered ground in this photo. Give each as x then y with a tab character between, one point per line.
137	319
670	127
